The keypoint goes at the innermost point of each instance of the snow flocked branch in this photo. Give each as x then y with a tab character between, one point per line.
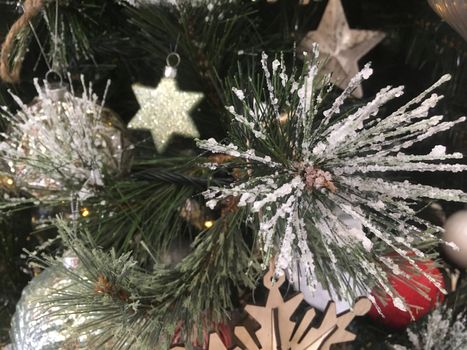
440	331
315	183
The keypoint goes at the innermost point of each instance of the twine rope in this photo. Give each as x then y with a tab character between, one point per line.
11	74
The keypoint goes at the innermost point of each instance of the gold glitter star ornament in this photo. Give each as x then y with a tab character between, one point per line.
341	46
165	110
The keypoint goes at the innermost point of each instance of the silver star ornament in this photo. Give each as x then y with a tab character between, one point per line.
341	46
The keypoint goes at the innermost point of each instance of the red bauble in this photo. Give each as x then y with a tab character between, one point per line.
418	303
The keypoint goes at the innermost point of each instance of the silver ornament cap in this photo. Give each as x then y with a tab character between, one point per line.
56	91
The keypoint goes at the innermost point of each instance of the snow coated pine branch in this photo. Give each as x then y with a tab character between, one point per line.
316	184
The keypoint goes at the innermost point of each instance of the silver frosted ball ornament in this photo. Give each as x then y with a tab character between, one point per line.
61	143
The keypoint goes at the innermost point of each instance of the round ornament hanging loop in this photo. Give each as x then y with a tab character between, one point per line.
49	77
173	60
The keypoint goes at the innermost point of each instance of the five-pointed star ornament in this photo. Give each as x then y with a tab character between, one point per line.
165	110
342	46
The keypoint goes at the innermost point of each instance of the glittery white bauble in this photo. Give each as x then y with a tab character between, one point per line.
456	232
32	327
63	143
320	297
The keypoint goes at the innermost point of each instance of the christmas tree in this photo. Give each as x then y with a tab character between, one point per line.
233	174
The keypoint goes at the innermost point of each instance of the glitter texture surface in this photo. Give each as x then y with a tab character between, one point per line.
165	111
57	146
341	46
33	328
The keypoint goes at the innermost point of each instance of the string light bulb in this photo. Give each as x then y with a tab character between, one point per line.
85	212
7	181
208	223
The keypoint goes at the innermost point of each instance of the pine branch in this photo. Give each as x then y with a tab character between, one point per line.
80	26
149	207
134	309
209	39
434	36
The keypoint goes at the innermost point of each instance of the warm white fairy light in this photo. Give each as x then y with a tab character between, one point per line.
336	169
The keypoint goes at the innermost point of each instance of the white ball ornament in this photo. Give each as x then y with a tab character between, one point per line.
456	232
319	297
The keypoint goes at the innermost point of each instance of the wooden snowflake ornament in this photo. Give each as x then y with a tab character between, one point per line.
278	331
